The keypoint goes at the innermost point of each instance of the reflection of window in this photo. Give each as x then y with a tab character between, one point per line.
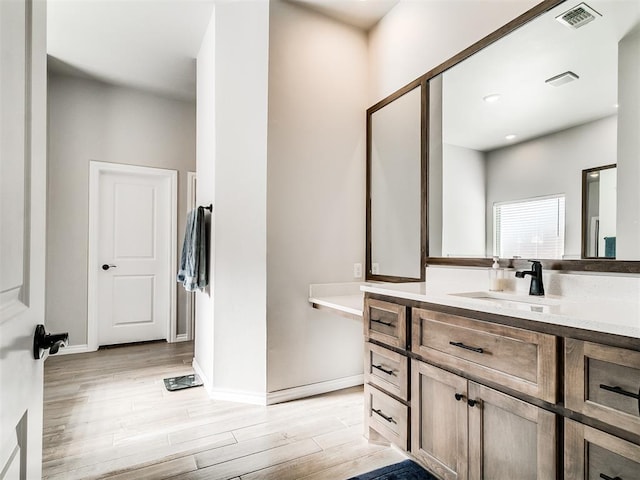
532	228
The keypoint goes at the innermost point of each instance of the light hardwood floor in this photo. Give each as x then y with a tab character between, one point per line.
108	415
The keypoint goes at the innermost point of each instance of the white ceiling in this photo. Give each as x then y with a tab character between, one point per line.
517	66
147	44
152	44
363	14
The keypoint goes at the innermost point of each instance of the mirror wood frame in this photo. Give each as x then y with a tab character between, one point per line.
585	220
582	265
420	83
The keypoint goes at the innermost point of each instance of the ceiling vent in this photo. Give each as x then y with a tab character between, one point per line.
578	16
561	79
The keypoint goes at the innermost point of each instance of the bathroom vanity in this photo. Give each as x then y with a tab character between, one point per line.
480	385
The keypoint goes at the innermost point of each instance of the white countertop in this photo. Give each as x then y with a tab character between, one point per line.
599	314
343	297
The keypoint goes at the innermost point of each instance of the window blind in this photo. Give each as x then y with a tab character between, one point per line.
532	228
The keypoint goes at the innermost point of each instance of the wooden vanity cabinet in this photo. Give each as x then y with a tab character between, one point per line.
461	429
442	396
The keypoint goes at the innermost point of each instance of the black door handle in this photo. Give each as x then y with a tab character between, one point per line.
107	266
46	341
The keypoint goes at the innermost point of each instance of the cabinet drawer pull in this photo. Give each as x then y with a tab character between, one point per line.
466	347
382	369
607	477
459	396
381	322
620	391
386	417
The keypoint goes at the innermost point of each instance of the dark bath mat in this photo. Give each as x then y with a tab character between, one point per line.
407	470
180	383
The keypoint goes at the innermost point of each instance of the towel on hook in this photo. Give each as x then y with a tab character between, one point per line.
193	271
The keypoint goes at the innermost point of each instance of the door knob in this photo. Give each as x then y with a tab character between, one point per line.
46	341
107	266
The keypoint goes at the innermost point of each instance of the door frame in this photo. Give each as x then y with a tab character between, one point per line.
96	169
191	300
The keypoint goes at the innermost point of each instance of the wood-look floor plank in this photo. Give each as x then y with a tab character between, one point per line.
316	462
107	414
253	462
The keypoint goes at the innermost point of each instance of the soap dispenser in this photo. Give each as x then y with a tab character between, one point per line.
496	276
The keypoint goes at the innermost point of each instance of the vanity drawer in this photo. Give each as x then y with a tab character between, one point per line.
387	370
590	454
386	322
387	416
604	383
520	359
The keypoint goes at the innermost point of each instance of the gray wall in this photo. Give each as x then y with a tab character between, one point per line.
89	120
628	225
315	191
551	165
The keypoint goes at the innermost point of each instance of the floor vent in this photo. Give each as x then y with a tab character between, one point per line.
578	16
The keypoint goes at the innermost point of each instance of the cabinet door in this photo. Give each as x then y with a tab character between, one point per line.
439	420
590	454
509	438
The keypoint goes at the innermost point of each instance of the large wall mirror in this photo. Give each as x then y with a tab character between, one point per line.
521	120
509	126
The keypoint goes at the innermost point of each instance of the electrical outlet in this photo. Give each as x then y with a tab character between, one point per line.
375	268
357	270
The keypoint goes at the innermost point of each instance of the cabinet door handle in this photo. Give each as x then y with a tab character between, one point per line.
466	347
472	403
607	477
386	417
621	391
459	396
381	322
382	369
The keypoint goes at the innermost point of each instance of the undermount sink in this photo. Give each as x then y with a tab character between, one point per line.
511	300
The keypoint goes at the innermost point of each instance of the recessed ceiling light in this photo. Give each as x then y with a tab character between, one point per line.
511	136
615	105
494	97
594	175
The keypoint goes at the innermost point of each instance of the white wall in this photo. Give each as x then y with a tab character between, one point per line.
205	193
551	165
628	222
316	178
463	202
417	36
232	169
89	120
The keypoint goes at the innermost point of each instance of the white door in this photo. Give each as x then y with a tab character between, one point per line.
135	226
22	233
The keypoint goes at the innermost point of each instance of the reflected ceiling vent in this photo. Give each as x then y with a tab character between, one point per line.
561	79
578	16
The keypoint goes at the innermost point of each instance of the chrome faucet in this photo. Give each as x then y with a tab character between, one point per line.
536	287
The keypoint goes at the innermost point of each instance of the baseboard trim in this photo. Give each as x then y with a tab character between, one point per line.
183	337
199	373
73	349
312	389
279	396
